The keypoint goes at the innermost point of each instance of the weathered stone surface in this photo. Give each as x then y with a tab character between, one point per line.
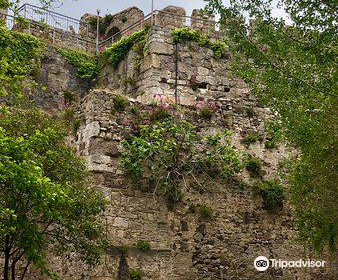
171	17
183	246
57	77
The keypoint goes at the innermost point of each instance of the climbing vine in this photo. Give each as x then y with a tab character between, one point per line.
88	68
20	57
168	155
186	34
118	51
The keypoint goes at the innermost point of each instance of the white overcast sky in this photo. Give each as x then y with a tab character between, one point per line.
76	8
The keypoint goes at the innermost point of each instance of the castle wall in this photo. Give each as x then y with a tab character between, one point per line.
199	74
184	246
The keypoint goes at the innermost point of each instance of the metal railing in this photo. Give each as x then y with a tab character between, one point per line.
8	20
138	25
55	35
156	18
53	19
79	30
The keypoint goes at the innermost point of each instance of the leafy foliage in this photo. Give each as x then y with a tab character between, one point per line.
46	203
103	23
143	245
135	274
120	103
164	155
293	70
118	51
20	56
274	134
186	34
254	166
87	66
250	138
272	193
206	211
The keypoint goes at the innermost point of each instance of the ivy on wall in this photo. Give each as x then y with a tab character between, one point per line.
20	57
118	51
88	68
187	34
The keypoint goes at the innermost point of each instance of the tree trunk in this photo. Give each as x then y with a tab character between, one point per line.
7	256
25	271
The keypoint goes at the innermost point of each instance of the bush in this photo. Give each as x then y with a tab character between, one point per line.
254	166
206	212
206	113
120	103
129	81
272	193
186	34
135	274
273	135
250	138
20	57
87	66
192	208
159	114
173	150
249	112
118	51
206	109
143	245
241	185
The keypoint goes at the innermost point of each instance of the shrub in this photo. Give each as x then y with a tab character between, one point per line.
135	274
206	212
143	245
241	185
173	151
68	97
254	166
87	66
192	208
250	138
249	112
206	109
20	57
186	34
120	103
274	135
272	193
129	81
69	115
159	114
118	51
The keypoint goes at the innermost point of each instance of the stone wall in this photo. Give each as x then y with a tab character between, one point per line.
57	78
124	19
59	37
199	74
184	246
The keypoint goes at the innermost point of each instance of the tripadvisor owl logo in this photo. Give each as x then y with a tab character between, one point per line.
261	263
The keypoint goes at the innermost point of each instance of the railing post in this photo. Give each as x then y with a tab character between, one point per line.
97	30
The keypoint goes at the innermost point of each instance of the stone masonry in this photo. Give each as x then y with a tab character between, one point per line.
183	245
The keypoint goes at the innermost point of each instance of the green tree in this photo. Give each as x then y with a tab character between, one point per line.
293	70
46	202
